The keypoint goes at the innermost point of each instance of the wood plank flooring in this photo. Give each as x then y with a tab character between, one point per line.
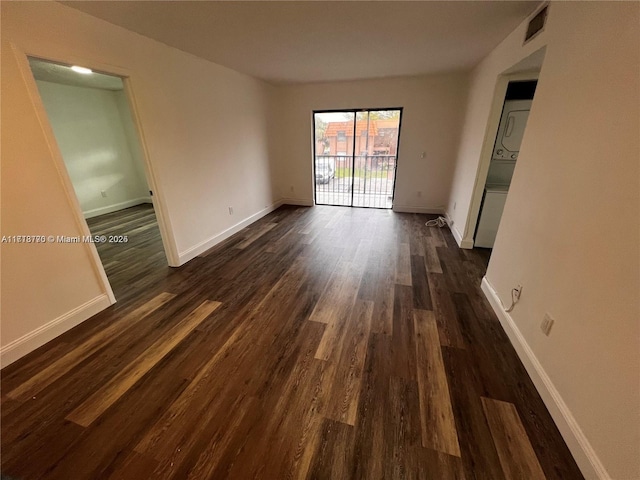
133	261
318	343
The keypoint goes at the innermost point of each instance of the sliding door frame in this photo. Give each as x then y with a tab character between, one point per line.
355	112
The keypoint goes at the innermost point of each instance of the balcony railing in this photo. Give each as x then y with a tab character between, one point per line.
361	181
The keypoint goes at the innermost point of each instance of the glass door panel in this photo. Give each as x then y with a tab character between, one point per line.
355	157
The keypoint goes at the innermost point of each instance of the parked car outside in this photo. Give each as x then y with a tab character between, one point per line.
325	169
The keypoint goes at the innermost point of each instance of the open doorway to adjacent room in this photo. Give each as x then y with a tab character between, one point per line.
504	156
91	120
355	157
513	99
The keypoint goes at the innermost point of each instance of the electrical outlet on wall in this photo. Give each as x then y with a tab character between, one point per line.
230	210
547	323
103	193
517	292
454	205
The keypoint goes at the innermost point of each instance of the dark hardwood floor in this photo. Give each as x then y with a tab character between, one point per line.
320	343
142	255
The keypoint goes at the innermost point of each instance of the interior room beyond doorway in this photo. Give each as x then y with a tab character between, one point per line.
95	133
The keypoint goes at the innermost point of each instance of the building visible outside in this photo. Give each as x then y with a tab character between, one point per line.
355	159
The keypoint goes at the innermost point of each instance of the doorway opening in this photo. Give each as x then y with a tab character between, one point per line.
91	120
513	121
356	157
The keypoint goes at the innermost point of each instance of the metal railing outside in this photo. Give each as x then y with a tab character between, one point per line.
360	181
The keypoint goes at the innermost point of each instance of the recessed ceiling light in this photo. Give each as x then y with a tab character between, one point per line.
83	70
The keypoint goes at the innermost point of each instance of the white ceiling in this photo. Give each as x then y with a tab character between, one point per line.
310	41
57	73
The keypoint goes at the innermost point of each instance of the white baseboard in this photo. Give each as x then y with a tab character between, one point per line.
465	243
50	330
462	243
190	253
96	212
296	201
583	452
412	209
454	230
460	240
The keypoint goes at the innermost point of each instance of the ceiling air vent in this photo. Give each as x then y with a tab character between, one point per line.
536	24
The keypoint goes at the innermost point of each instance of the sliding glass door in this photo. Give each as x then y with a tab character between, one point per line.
355	157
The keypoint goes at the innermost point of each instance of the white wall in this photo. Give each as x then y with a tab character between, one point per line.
205	129
45	288
570	229
216	138
482	87
131	137
433	112
96	148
